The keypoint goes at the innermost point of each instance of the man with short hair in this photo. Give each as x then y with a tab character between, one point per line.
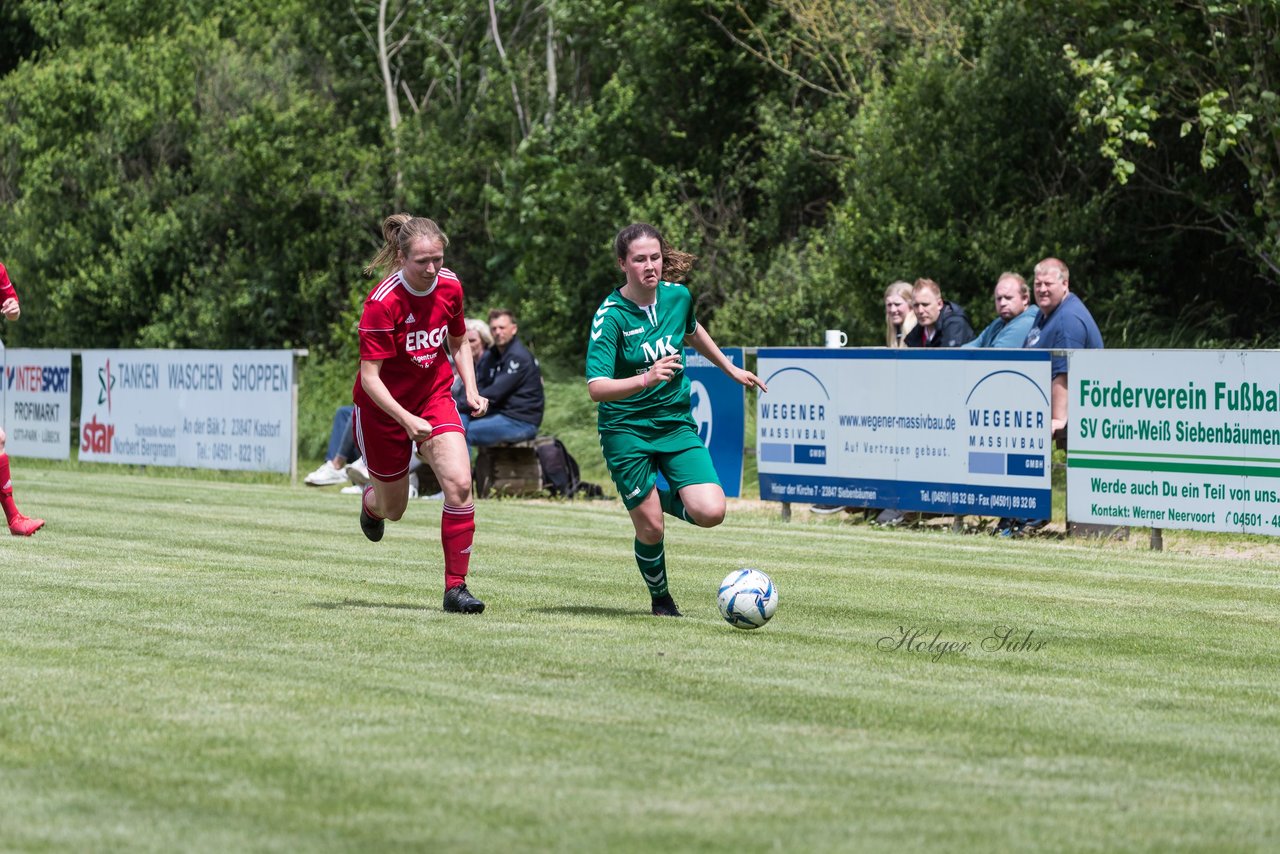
1014	315
509	376
1064	324
939	322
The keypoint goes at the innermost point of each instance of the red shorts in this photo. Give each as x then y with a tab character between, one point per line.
385	445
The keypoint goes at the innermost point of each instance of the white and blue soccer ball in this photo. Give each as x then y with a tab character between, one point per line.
747	598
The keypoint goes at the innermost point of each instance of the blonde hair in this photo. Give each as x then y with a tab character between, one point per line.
928	285
480	328
893	335
675	264
398	233
1064	275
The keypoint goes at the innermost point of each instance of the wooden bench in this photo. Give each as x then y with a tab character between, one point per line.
508	468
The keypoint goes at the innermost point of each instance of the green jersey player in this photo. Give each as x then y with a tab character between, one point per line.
635	373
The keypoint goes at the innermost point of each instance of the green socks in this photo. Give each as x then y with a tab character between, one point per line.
653	567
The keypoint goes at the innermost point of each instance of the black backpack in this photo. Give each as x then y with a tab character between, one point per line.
560	473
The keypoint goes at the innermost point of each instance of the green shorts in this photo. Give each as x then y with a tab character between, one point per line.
634	463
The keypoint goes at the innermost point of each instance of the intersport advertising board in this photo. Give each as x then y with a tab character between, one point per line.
946	431
1175	439
218	409
36	401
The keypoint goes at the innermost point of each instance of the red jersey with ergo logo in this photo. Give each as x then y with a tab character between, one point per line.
408	330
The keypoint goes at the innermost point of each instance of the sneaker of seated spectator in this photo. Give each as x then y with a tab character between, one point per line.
357	472
342	449
328	474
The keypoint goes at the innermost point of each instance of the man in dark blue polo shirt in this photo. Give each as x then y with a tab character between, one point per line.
510	378
1064	324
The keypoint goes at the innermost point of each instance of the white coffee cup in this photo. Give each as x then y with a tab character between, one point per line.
836	338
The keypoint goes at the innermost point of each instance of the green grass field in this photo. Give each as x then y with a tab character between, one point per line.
203	664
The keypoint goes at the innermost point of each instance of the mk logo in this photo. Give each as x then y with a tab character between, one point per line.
662	347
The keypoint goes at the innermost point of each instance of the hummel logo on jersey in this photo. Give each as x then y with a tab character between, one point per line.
411	318
662	347
513	367
633	493
631	332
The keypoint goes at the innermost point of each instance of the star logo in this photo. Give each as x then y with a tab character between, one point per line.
106	383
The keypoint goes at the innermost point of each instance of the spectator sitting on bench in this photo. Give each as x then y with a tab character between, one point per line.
510	378
478	339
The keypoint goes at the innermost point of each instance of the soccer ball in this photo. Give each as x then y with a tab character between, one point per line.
747	598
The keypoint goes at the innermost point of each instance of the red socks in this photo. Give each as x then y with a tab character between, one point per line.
19	525
6	491
457	531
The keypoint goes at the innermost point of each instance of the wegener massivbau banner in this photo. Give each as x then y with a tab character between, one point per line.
1175	439
946	431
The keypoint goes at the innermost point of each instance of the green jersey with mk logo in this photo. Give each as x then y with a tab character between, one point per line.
626	339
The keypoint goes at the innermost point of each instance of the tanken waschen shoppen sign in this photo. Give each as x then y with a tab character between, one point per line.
1175	439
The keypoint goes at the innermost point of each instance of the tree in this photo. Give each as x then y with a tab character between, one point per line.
1207	69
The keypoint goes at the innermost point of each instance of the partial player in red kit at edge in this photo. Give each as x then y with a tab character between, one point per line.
402	392
19	525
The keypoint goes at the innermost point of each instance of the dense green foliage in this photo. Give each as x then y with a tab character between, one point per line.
195	173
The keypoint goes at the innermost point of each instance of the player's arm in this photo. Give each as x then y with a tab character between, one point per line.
602	389
700	340
467	373
8	297
419	429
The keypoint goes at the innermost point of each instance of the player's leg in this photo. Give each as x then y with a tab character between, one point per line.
704	504
634	472
386	448
446	453
387	499
19	525
695	493
651	558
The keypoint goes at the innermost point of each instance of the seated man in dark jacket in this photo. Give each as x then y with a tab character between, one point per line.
510	378
939	323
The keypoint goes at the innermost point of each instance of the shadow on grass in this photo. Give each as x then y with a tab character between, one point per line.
589	610
362	603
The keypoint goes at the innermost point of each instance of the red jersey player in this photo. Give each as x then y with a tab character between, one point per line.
19	525
402	394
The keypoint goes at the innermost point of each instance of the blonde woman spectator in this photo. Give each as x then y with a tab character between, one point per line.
899	319
479	339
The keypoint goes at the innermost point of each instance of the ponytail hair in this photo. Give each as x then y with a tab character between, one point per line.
675	264
398	233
